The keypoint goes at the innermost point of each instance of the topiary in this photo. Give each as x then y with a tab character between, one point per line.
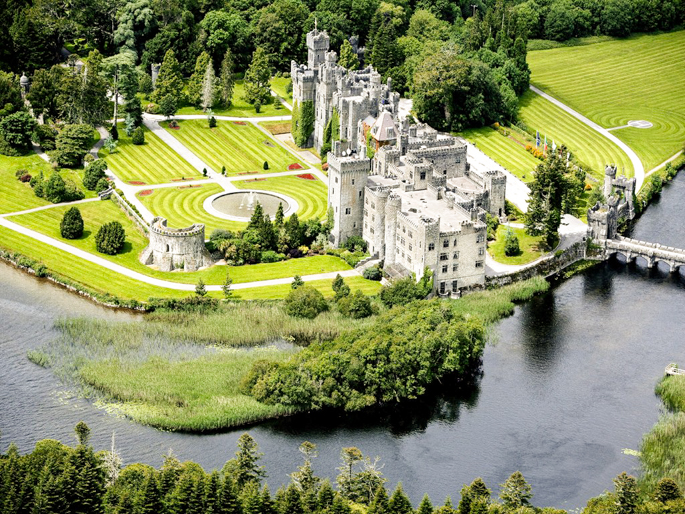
114	133
511	244
266	165
138	137
110	238
305	302
212	122
94	173
71	226
55	189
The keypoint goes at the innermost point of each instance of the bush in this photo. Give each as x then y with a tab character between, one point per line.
212	122
138	137
257	107
71	144
110	238
373	273
511	244
55	189
355	306
266	165
271	256
406	290
145	84
25	178
71	226
305	302
46	136
88	159
102	185
94	173
355	244
16	131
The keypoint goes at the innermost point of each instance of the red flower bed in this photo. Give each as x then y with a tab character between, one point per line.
307	176
295	166
239	123
136	183
189	186
145	192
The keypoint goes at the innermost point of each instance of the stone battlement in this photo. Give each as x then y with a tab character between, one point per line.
159	226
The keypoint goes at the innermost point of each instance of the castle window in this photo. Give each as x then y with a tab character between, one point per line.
480	238
404	229
431	247
410	247
354	225
423	175
352	181
408	259
479	264
410	234
361	193
402	241
366	225
373	205
167	248
455	267
336	180
454	286
442	288
397	251
444	268
458	159
481	251
455	255
366	201
443	257
373	217
446	243
366	213
372	231
348	210
455	241
444	172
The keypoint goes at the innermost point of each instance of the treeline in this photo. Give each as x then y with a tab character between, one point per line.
58	479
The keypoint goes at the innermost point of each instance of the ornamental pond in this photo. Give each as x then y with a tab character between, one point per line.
567	386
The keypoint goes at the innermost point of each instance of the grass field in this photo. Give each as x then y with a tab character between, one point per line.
529	245
276	127
311	195
240	107
280	85
504	151
151	163
97	213
15	195
183	207
638	78
590	147
368	287
241	148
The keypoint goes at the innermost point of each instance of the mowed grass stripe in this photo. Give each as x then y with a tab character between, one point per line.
589	146
153	162
240	148
311	195
15	195
641	77
504	151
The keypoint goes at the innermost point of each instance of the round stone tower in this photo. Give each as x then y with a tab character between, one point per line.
392	207
171	248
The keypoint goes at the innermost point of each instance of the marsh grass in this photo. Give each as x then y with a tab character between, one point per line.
662	452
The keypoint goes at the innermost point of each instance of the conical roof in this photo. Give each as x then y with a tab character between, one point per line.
384	129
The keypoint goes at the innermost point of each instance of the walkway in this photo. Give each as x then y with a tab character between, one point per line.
100	261
50	206
634	159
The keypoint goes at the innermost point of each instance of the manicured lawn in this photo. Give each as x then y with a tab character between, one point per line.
311	195
276	127
241	148
240	107
280	85
15	195
589	146
97	213
529	246
504	151
183	207
151	163
638	78
368	287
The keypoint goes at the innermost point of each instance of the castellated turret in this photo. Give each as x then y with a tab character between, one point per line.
609	175
347	176
318	44
171	248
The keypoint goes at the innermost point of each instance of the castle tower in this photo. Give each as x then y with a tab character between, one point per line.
318	44
347	176
171	248
392	207
609	176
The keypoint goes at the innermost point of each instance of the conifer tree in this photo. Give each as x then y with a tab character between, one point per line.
399	502
196	79
212	502
244	468
257	89
228	498
380	502
169	81
516	492
226	78
279	218
348	57
150	501
208	89
425	507
326	496
627	494
304	478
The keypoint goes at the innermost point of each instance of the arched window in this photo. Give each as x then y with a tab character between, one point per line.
167	248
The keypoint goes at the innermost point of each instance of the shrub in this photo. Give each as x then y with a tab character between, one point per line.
25	178
55	189
138	137
88	159
94	173
297	282
373	273
406	290
16	131
266	165
114	132
257	107
305	302
46	137
355	244
102	185
355	306
511	244
212	122
271	256
152	108
110	238
71	226
20	173
145	84
71	144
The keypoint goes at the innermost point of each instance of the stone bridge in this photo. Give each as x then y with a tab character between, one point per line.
653	253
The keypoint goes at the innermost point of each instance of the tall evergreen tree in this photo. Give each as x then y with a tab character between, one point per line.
399	502
150	499
245	468
226	78
169	81
257	88
228	498
380	503
348	57
208	88
196	79
425	507
515	492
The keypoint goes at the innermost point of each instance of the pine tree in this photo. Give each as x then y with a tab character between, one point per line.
208	89
196	79
196	505
226	78
226	286
380	503
348	57
169	81
627	494
71	226
425	507
516	492
149	501
293	232
326	496
213	494
200	289
304	478
228	498
666	490
292	501
278	219
244	468
257	218
399	502
257	88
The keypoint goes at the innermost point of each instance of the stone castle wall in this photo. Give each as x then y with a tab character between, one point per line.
171	249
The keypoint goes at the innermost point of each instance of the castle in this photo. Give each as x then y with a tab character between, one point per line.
171	248
417	202
602	219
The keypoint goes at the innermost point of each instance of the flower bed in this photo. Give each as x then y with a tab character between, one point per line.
189	186
240	123
136	183
307	176
182	179
145	192
295	166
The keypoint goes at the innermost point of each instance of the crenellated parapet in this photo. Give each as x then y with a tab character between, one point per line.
172	249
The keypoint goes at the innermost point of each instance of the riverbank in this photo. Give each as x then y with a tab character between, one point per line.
182	371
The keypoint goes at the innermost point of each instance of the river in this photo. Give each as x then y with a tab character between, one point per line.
567	385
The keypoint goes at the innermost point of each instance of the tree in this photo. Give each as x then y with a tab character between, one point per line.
222	30
278	219
200	289
560	21
208	90
71	226
515	491
257	88
399	502
627	494
110	238
304	478
305	302
667	490
227	82
277	28
110	144
511	243
16	131
196	79
297	282
348	57
340	288
138	136
116	66
44	91
226	286
94	173
245	468
55	188
10	93
617	18
169	81
425	507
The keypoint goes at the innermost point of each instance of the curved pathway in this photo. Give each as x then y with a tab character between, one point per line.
634	159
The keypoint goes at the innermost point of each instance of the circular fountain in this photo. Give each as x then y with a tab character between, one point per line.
239	205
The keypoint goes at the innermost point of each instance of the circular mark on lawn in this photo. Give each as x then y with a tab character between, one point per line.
641	124
269	144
